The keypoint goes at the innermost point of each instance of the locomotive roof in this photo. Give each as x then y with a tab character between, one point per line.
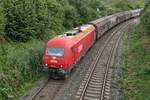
69	41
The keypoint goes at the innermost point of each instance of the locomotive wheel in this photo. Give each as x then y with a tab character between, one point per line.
66	76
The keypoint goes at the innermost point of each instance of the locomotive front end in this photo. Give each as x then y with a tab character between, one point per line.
54	60
53	57
56	56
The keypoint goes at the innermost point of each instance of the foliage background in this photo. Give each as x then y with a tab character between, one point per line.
25	25
145	18
136	60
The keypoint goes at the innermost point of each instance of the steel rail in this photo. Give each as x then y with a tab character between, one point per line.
39	90
100	52
112	54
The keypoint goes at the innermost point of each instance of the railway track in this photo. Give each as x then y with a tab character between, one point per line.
39	90
43	92
96	84
54	86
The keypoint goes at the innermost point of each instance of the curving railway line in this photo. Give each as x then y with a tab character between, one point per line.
96	84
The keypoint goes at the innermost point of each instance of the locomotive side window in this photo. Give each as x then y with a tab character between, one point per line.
55	51
71	51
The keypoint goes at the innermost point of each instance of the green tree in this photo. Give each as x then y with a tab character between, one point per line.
123	5
56	14
71	16
138	4
145	18
102	8
27	19
2	19
84	9
20	19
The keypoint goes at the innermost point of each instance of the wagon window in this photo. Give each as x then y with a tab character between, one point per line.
55	51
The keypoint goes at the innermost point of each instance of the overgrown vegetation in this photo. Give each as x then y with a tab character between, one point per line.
2	19
145	18
26	24
136	60
19	63
27	19
24	20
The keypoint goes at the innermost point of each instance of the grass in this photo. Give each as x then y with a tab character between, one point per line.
20	67
136	60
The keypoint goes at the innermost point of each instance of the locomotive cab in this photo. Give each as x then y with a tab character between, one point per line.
58	54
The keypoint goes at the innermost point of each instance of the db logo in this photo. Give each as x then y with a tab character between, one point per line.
53	61
53	57
80	48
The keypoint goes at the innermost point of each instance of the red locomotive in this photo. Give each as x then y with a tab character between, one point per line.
63	51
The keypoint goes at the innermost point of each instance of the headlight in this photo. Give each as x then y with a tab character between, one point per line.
61	66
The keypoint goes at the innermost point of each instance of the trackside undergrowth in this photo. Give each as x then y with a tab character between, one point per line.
136	62
20	66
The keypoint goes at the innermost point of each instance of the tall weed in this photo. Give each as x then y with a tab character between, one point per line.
19	63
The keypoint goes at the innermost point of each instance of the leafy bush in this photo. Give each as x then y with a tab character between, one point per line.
136	65
2	19
123	5
71	17
84	9
145	18
19	63
102	8
27	19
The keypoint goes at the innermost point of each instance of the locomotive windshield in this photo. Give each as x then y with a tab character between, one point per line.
55	51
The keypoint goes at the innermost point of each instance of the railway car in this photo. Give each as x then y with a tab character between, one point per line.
104	24
63	51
